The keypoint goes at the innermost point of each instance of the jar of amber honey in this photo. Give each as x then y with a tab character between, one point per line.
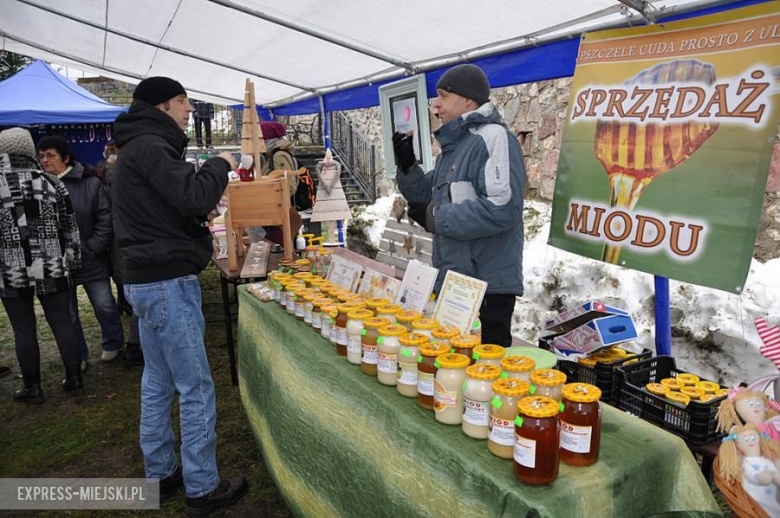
537	440
580	424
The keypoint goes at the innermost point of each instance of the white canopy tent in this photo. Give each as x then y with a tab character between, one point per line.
300	48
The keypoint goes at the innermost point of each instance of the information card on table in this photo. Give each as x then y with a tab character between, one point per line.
417	286
377	285
459	301
344	273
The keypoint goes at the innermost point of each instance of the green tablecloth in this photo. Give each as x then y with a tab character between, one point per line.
338	443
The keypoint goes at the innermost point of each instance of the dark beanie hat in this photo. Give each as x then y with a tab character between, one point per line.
156	90
468	81
273	129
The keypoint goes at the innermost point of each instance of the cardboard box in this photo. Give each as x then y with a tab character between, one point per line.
590	327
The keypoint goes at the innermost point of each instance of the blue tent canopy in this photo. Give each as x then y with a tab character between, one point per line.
40	95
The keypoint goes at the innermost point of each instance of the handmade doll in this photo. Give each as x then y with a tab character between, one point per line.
747	456
746	406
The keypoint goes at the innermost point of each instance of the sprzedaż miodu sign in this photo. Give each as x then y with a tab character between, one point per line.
667	145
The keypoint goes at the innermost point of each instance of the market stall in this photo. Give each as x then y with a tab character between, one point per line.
338	443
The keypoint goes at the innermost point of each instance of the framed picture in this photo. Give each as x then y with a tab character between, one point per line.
404	108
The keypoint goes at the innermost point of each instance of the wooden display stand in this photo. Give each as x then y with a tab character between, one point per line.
264	202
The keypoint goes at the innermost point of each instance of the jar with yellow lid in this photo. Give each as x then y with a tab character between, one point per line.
488	353
341	326
537	440
316	311
276	283
424	326
587	361
334	336
443	334
388	311
547	383
368	339
448	388
283	283
290	291
692	392
328	288
464	344
688	380
373	303
580	424
387	353
406	317
408	351
304	277
519	367
477	393
355	321
299	302
308	305
678	398
426	371
507	393
326	310
316	283
285	265
657	389
347	296
673	384
708	387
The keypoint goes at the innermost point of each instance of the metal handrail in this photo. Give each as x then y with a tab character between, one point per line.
355	151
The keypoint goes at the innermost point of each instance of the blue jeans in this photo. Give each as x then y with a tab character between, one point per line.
172	327
103	303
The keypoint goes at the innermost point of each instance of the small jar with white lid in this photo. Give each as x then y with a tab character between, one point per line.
354	330
387	353
407	363
518	367
477	393
489	353
424	326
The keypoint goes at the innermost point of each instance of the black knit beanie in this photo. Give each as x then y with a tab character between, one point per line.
156	90
468	81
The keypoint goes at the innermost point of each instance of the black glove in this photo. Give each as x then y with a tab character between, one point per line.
423	216
404	151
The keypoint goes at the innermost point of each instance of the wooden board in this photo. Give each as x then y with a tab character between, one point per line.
256	263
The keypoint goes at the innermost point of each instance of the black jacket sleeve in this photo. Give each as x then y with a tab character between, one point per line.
102	228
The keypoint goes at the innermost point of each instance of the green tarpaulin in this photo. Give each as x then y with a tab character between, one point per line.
338	443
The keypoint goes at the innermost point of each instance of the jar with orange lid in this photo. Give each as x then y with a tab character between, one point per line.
426	371
328	287
290	291
316	283
547	383
373	303
408	350
368	360
537	440
507	392
477	393
334	336
355	321
488	353
346	296
283	283
308	305
387	353
424	326
341	326
276	282
316	311
657	389
388	311
359	301
326	310
406	317
518	367
464	344
443	334
448	388
580	424
304	277
299	301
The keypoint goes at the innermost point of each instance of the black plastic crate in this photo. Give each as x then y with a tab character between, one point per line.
695	423
602	375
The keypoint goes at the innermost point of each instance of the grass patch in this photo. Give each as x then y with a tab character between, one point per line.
97	435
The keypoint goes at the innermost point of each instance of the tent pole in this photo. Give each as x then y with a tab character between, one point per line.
663	324
325	123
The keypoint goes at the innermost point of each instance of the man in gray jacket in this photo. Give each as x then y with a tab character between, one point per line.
472	202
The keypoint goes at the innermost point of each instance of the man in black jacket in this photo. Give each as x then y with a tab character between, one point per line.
160	205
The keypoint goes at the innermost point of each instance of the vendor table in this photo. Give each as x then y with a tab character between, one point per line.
338	443
226	278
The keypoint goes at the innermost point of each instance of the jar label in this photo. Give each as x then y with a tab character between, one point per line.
387	362
341	335
299	309
369	354
502	431
316	320
353	344
425	383
407	373
283	298
307	316
475	412
443	398
576	439
525	451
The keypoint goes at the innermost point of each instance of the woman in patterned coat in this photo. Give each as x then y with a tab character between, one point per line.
39	246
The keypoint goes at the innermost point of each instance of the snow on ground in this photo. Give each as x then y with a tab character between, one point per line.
714	335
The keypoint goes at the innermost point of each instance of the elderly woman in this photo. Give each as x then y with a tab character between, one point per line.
93	213
39	244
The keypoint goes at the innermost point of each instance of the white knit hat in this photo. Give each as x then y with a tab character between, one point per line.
17	141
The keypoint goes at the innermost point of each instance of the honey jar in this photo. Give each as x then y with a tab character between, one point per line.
405	318
426	371
488	353
580	424
388	311
507	393
448	388
341	326
537	440
547	383
387	353
355	323
477	393
424	326
408	351
465	344
368	339
518	367
444	334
